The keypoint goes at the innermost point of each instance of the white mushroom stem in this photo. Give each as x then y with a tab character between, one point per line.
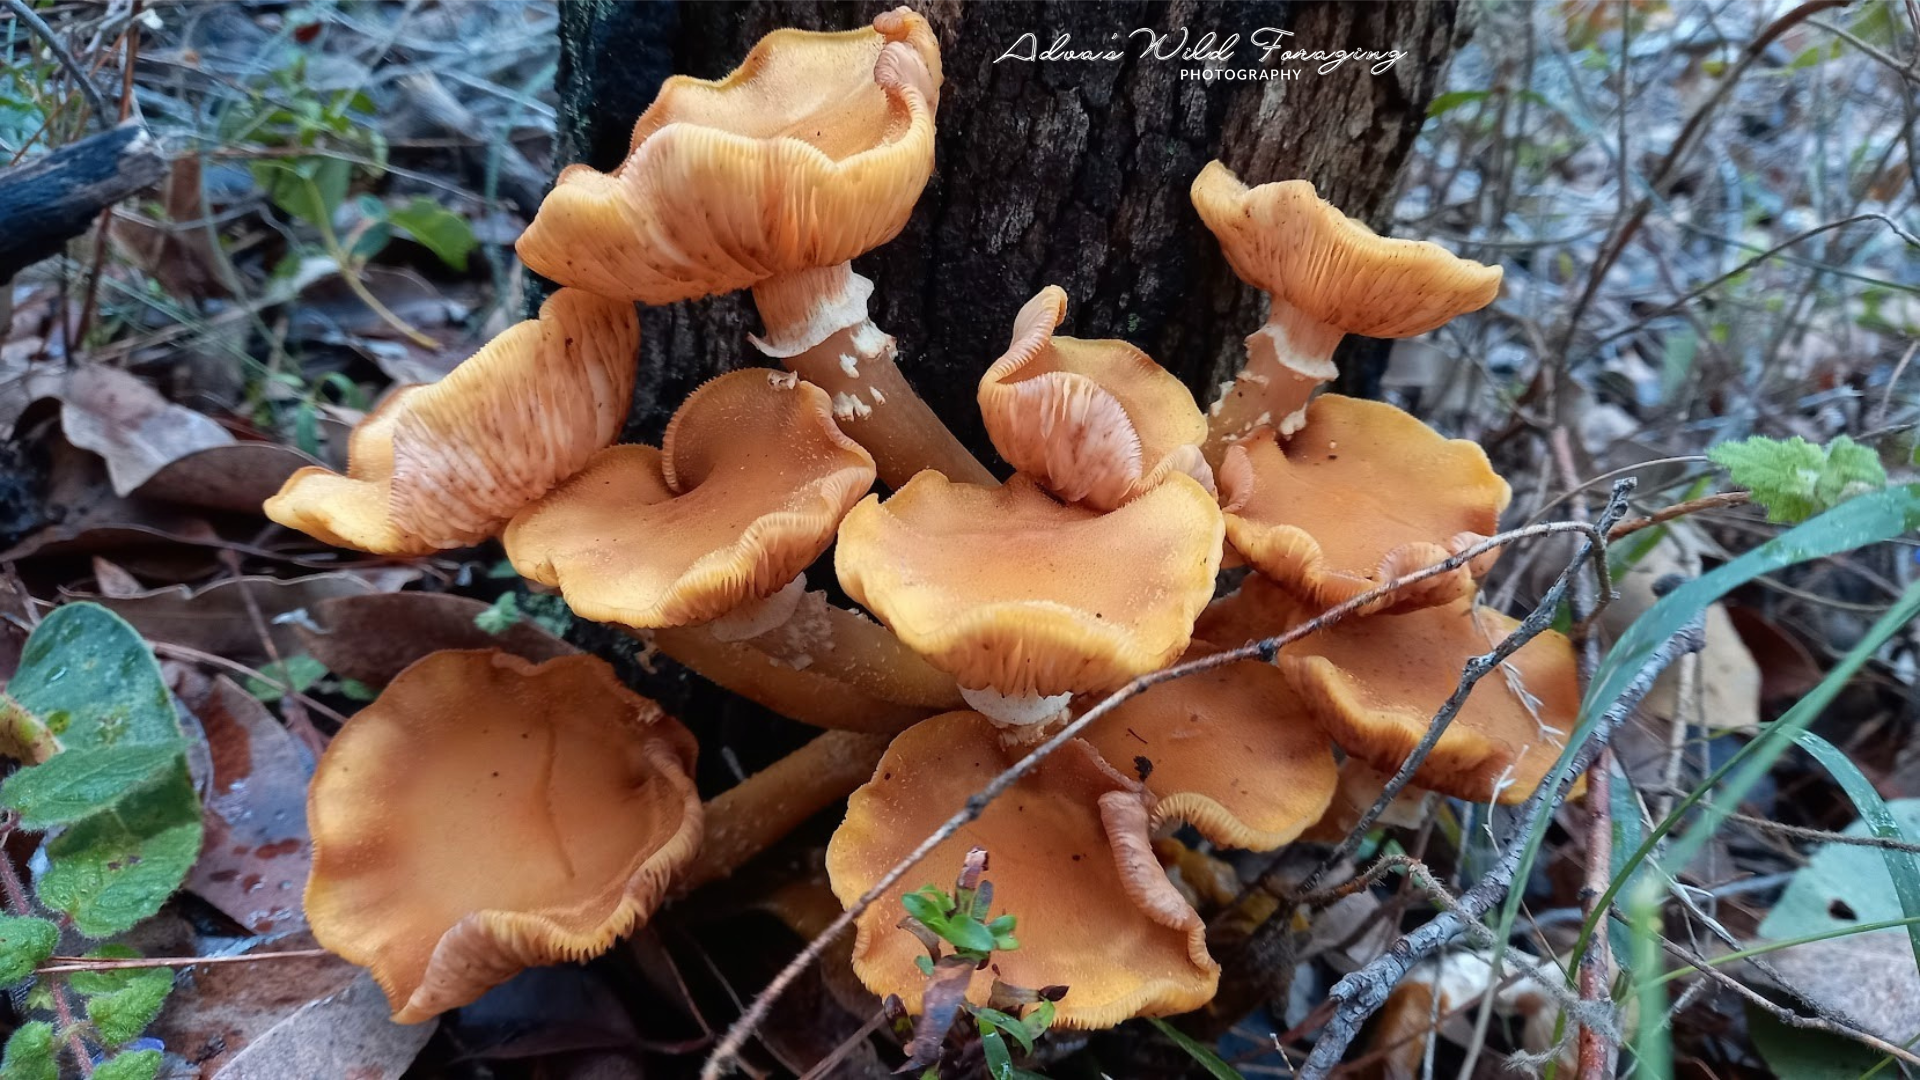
1286	360
749	817
817	326
822	665
1022	712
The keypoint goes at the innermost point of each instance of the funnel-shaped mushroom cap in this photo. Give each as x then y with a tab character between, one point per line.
813	151
486	814
1286	240
1230	751
1363	493
747	489
1375	685
445	465
1069	855
1007	589
1096	422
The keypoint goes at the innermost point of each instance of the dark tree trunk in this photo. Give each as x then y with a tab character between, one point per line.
1055	172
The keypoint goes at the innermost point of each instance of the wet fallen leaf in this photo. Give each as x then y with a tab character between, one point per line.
218	1010
372	638
345	1034
134	429
215	618
254	862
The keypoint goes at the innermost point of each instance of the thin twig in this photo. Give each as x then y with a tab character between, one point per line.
35	23
1359	995
727	1053
291	701
1719	500
183	652
68	965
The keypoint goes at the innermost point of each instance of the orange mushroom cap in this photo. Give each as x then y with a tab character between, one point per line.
445	465
1230	751
1284	239
749	484
486	814
1069	854
1375	685
1362	494
1009	590
1096	422
811	152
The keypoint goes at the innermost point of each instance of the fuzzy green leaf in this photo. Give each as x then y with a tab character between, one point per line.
113	868
30	1053
301	670
77	782
25	944
1794	479
501	616
120	1016
438	229
138	1065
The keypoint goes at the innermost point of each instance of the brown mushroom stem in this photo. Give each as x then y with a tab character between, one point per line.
1286	360
751	816
817	326
824	666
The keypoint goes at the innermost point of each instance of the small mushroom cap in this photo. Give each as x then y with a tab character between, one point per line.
750	483
445	465
1068	854
1096	422
486	814
1363	493
1231	751
810	153
1286	240
1376	683
1008	589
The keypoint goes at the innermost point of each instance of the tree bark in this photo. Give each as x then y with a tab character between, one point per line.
1049	172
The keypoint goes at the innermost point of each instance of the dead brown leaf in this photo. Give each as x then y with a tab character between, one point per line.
237	477
135	430
345	1034
1868	978
253	863
373	638
215	619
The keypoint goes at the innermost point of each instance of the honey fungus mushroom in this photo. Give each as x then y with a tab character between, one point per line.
1376	684
486	814
1095	422
773	178
1362	494
702	543
1070	853
1326	276
1027	601
446	464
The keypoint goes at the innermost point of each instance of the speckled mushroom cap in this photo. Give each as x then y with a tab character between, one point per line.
1010	590
812	152
444	465
1363	493
486	814
1231	751
1284	239
1376	683
1069	854
1096	422
751	480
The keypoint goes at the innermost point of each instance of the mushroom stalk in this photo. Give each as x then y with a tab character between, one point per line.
1287	358
824	666
817	326
751	816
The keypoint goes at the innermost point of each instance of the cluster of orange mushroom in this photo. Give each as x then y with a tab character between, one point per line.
1002	607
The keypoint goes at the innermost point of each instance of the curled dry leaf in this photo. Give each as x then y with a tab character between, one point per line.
215	618
374	637
135	430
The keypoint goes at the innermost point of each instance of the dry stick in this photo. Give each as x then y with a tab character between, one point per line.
183	652
1717	501
1782	1013
68	965
728	1052
1359	995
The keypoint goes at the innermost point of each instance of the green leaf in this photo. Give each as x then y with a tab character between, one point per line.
968	936
1198	1051
1875	817
1000	1064
113	868
1453	99
1806	1055
355	690
25	944
1794	479
300	669
80	781
30	1053
121	1015
138	1065
501	616
90	677
308	189
438	229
